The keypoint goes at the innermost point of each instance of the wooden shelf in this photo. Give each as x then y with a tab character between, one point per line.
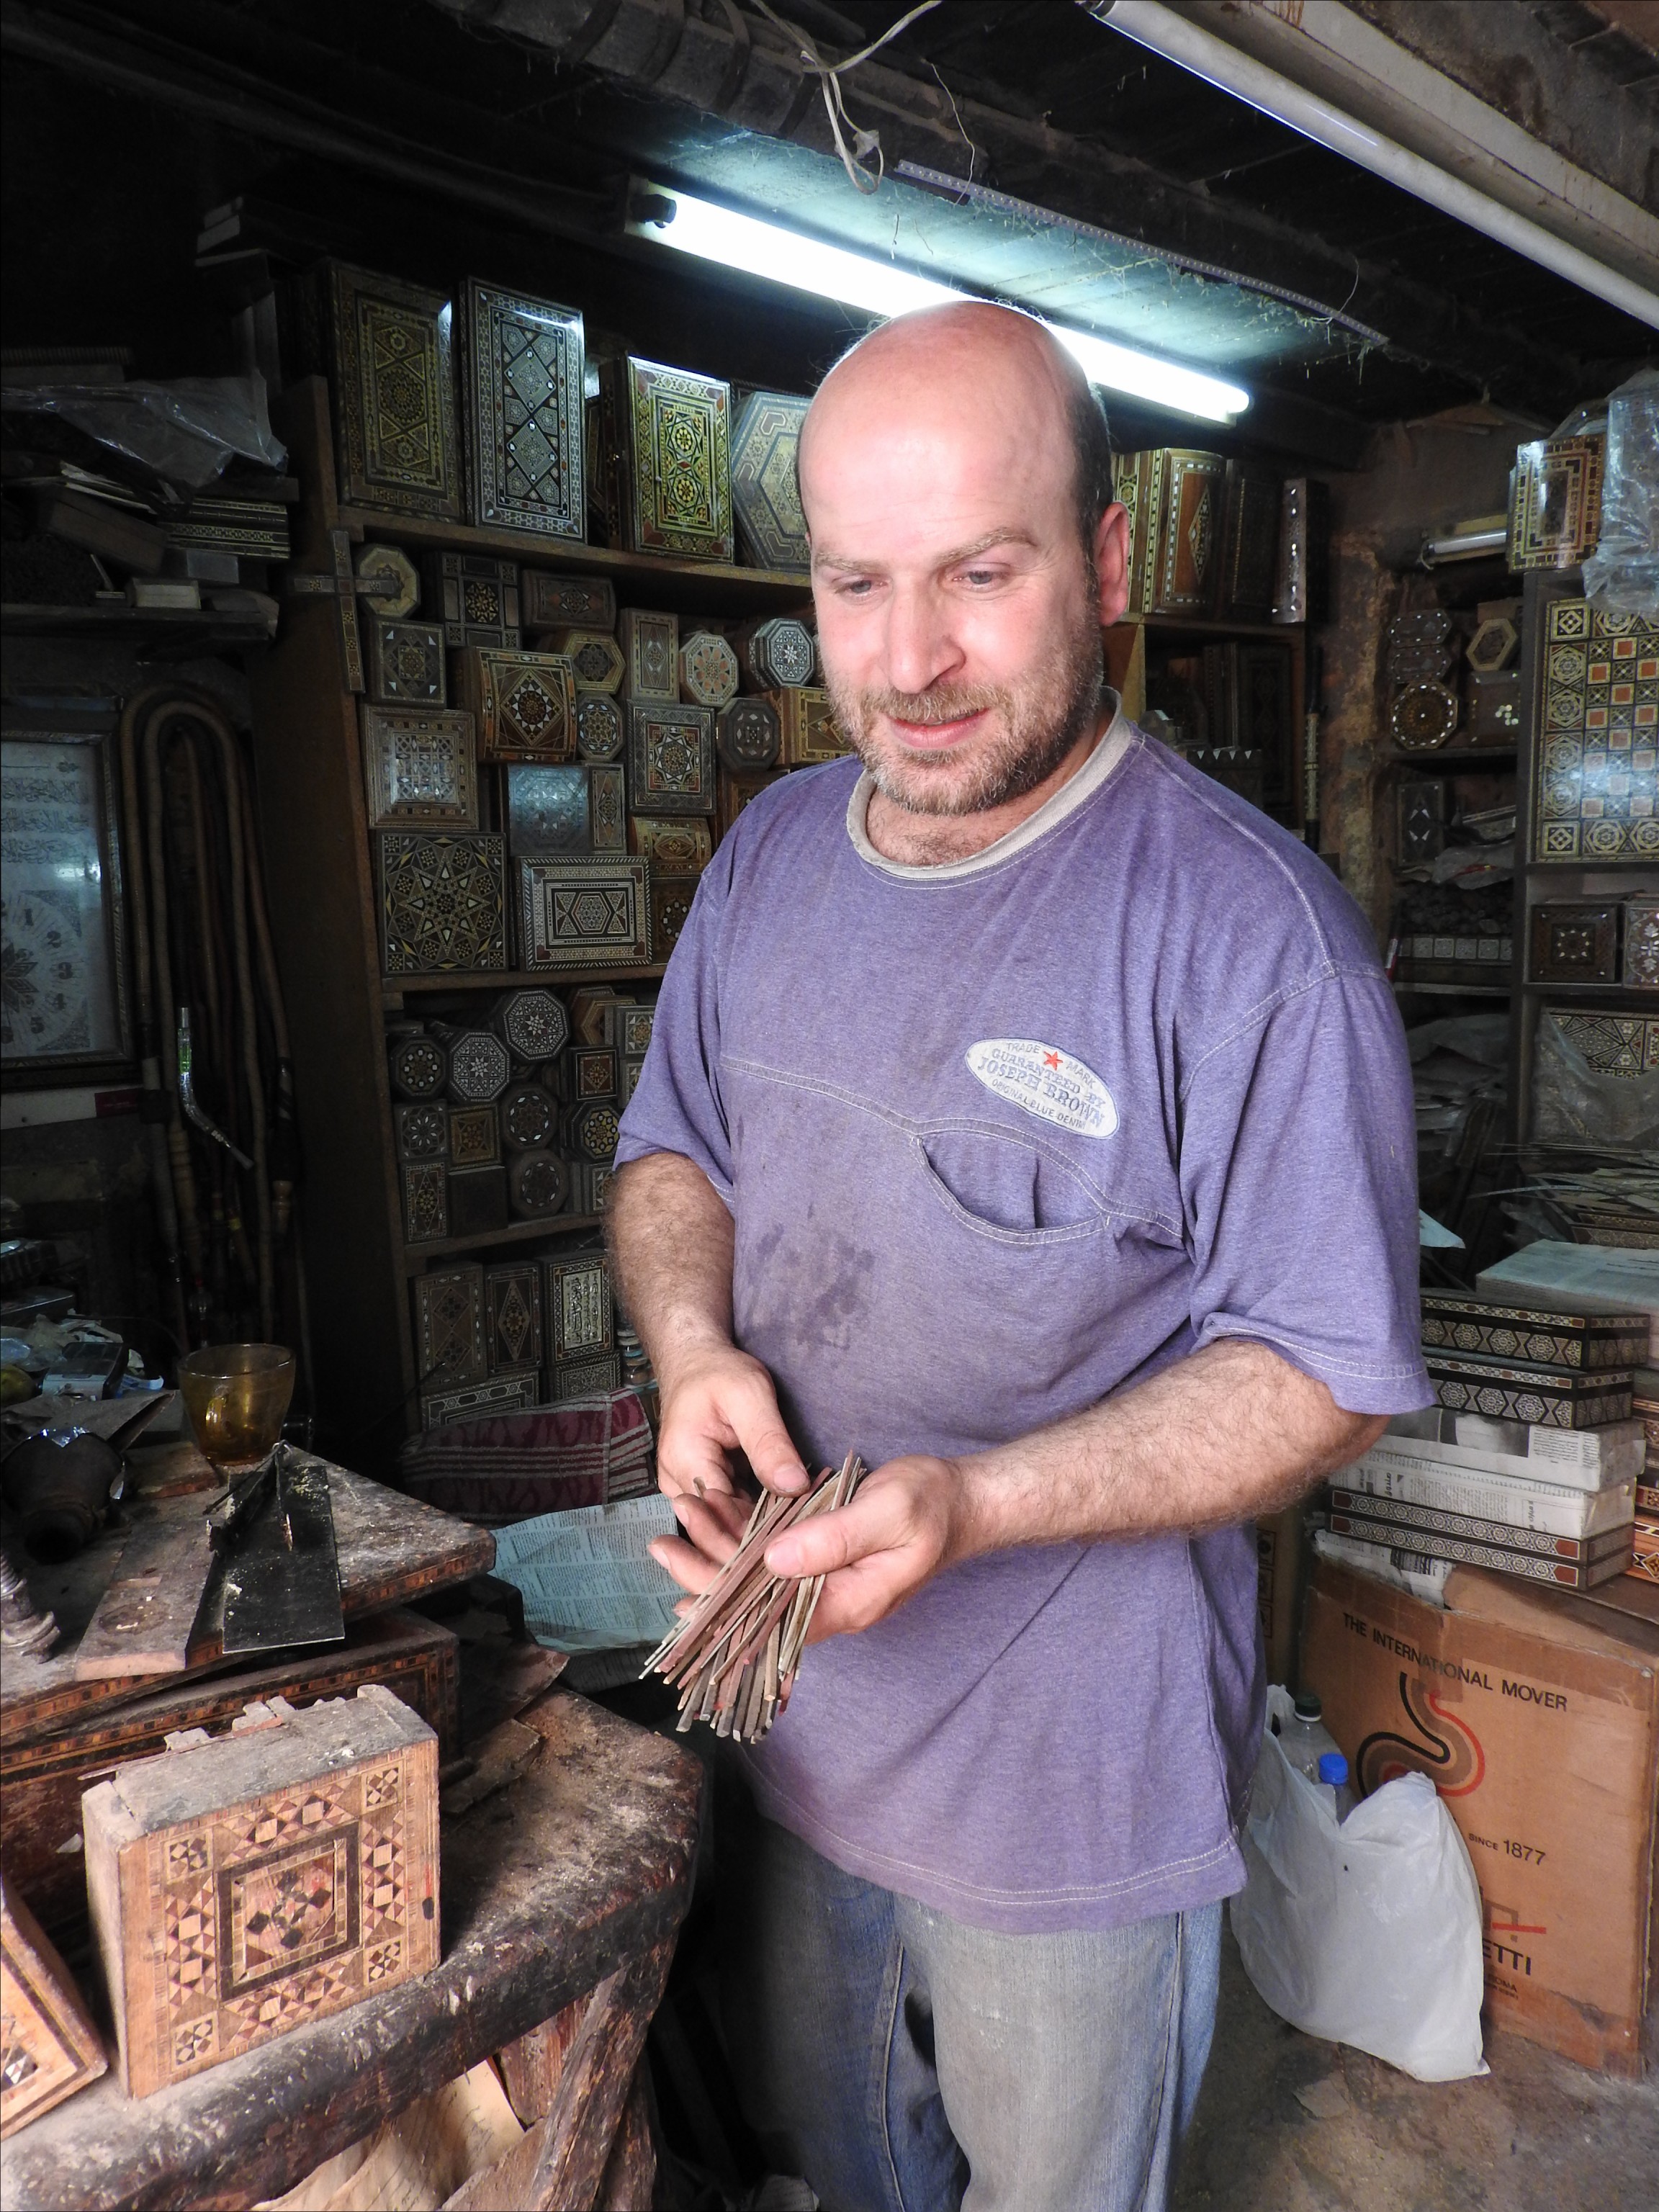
1456	990
516	1232
1204	625
1466	756
678	581
515	979
180	629
1647	992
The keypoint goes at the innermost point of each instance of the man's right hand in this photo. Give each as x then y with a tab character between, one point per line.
718	1401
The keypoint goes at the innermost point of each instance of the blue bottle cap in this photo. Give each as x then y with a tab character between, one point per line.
1332	1768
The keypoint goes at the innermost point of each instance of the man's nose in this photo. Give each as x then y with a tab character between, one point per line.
919	648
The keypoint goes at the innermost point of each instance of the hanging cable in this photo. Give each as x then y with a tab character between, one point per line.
829	75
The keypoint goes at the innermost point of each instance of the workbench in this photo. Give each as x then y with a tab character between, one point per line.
570	1884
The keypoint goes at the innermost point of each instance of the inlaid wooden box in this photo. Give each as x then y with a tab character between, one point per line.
406	663
591	1132
628	1028
1494	709
1177	500
477	1200
734	790
245	1886
528	1118
628	1079
581	602
583	1378
1555	503
476	597
665	440
548	810
747	738
607	807
533	1024
1640	966
777	654
675	845
479	1066
599	726
576	1313
513	1317
595	657
671	909
1537	1396
1595	789
579	910
765	489
538	1183
442	901
421	1132
650	643
709	669
49	2047
425	1200
1250	548
522	364
671	760
587	1071
1575	945
523	704
807	731
417	1065
1589	1343
503	1393
393	388
419	766
449	1324
475	1137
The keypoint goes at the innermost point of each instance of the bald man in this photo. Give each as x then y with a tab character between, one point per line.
1030	1115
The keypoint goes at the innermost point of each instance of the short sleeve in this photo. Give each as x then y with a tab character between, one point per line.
1298	1174
677	1106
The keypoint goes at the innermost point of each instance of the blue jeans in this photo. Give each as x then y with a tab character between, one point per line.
904	2063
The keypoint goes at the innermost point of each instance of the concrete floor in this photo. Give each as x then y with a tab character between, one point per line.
1535	2135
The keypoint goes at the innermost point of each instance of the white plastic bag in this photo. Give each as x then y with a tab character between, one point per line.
1367	1932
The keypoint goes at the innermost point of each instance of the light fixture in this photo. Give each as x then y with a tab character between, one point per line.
692	225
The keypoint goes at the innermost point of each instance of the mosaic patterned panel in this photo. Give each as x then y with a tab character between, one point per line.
525	703
746	736
576	1306
576	910
425	1201
809	731
599	726
421	1132
419	766
709	669
395	395
534	1023
476	597
1555	504
593	1133
1597	790
475	1137
650	649
523	372
449	1323
681	470
1613	1044
548	810
479	1068
765	492
501	1394
670	759
584	1378
1642	943
406	663
441	903
780	654
512	1302
607	806
284	1909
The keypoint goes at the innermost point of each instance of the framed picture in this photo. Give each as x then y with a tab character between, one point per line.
63	1002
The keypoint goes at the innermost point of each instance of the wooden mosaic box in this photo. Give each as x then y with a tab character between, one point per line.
777	654
1177	497
1596	791
747	738
670	759
538	1183
476	597
442	901
477	1200
1537	1396
584	602
709	669
627	1029
584	1378
1625	1045
419	766
475	1137
527	1120
650	643
449	1324
734	790
599	726
582	909
765	490
425	1201
1555	503
1249	545
534	1023
421	1132
523	704
1586	1342
513	1317
607	807
675	845
479	1066
406	663
393	384
576	1313
1640	965
807	731
521	376
588	1072
665	435
503	1393
1574	944
49	2047
671	909
592	1132
245	1885
548	810
595	657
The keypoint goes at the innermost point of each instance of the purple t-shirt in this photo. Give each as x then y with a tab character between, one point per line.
999	1138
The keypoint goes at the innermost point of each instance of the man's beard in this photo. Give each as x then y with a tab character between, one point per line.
1043	718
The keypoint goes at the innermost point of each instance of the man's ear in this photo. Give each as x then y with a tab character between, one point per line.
1111	557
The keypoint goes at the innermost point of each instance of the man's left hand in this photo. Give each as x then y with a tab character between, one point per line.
905	1524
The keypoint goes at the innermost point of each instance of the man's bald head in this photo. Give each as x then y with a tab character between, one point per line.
1003	359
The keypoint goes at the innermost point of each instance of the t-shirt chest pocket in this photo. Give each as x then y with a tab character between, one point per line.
1014	1188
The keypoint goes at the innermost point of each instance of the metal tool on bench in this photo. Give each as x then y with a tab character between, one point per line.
275	1531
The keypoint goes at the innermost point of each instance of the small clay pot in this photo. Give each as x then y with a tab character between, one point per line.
59	1492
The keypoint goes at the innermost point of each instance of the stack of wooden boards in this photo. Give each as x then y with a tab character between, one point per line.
1529	1462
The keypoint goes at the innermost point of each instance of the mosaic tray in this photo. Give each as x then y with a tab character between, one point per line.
394	395
1596	796
442	903
522	368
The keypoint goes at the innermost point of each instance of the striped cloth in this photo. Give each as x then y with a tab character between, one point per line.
508	1466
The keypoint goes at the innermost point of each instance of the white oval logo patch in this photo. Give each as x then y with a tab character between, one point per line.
1042	1080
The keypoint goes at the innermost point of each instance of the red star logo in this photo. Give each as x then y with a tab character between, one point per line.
1051	1060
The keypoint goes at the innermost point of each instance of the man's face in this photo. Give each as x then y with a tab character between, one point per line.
959	614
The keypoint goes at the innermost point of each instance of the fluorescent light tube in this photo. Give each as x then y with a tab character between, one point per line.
760	248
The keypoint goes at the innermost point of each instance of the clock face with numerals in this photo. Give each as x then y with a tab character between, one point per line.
59	977
47	974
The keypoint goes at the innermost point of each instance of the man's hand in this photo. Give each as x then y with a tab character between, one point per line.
718	1401
905	1524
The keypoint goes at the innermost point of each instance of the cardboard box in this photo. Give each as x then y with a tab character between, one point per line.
1537	1715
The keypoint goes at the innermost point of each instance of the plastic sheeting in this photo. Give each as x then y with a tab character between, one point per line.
187	432
1622	575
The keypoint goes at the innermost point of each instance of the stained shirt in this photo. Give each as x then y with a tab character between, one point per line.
1000	1138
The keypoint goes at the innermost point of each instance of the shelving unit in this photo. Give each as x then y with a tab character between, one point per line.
323	899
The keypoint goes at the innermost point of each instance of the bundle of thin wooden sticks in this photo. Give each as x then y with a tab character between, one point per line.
734	1656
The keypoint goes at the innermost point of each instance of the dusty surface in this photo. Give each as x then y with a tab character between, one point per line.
1535	2135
